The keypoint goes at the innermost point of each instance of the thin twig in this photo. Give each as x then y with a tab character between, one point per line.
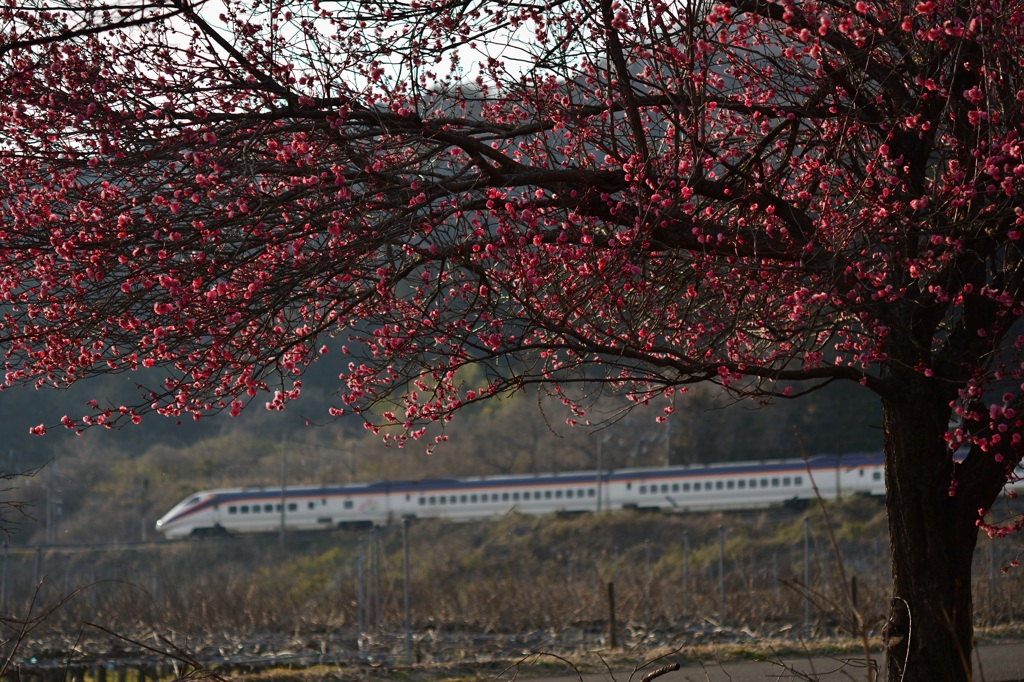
660	671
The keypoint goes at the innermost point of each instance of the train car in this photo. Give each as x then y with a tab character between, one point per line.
724	486
747	485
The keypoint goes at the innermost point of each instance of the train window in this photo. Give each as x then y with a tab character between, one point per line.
591	492
558	494
268	508
255	509
423	501
643	489
775	483
348	503
463	499
504	497
293	506
861	472
433	500
707	485
719	485
568	493
654	490
444	500
742	483
798	480
675	487
232	509
311	504
629	486
877	476
515	497
729	485
536	494
244	509
473	499
323	501
664	487
786	480
686	487
408	497
547	494
764	482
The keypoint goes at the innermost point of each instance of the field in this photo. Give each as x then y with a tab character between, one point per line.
493	591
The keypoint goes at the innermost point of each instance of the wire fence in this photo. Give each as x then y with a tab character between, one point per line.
409	584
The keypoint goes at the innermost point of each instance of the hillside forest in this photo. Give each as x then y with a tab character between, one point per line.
129	477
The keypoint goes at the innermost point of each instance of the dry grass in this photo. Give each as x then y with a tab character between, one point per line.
488	594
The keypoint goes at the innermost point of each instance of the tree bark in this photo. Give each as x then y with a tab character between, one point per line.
929	635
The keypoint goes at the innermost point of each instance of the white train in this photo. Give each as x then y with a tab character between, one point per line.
725	486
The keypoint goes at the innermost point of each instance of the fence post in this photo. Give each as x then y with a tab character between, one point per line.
611	615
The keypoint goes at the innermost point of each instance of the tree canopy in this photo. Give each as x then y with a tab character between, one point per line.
644	195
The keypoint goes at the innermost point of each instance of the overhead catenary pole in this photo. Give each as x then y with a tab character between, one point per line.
376	570
3	587
408	607
284	505
647	583
721	573
807	575
686	572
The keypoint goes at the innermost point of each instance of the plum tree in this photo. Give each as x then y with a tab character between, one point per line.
638	195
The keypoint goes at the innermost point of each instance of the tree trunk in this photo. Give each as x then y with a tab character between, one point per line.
933	534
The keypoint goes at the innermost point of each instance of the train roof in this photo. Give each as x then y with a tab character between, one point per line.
412	486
